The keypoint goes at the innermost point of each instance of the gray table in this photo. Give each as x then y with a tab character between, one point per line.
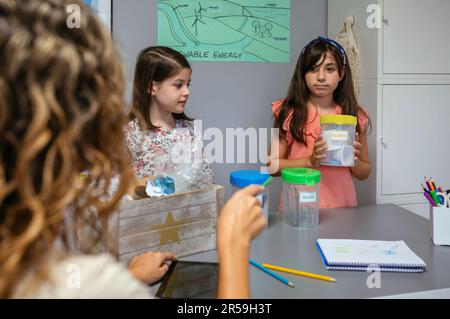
286	246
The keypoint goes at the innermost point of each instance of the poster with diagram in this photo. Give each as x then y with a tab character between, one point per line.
222	30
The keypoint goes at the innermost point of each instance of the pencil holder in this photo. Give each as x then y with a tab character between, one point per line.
440	225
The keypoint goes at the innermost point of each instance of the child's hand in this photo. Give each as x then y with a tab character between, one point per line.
357	146
150	267
320	147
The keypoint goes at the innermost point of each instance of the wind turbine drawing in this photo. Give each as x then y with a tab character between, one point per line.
200	10
196	21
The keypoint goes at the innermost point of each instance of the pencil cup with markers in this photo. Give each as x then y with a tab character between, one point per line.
300	197
439	211
243	178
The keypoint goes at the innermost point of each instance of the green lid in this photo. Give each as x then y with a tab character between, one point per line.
338	119
305	176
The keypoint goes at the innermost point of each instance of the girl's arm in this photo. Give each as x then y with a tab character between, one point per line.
278	156
278	161
361	170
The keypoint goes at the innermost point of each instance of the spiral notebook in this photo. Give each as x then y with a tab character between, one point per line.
369	255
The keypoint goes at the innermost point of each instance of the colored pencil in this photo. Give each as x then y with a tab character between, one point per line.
433	184
299	272
271	273
428	184
429	198
267	181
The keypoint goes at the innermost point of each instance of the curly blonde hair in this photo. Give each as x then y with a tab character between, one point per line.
61	113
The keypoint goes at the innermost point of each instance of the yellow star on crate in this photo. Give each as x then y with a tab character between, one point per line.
169	230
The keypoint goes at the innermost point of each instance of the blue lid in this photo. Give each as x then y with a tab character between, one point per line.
244	178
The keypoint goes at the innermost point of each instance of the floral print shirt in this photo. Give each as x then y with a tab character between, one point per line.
150	149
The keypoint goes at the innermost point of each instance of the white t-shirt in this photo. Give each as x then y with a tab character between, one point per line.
86	276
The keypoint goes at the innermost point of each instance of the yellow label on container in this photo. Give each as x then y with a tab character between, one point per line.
339	136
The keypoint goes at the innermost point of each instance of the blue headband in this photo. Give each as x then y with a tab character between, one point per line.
340	49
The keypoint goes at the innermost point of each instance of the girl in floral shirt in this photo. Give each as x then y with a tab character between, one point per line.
157	120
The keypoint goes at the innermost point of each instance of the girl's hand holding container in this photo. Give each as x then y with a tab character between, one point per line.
357	145
319	152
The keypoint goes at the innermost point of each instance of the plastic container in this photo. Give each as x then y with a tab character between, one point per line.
339	133
300	197
243	178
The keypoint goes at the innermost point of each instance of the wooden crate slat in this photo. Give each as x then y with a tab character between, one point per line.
177	201
146	223
180	249
160	237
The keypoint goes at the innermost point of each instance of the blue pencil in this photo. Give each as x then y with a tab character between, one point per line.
270	272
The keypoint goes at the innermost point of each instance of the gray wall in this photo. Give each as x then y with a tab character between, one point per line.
224	94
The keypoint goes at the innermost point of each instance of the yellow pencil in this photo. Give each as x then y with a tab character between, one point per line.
299	272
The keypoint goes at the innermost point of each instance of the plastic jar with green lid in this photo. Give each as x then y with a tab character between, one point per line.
300	197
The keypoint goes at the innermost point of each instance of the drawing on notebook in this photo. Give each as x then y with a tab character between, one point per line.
342	250
364	250
350	254
391	251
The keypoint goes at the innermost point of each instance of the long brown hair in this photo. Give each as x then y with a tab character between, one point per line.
298	93
154	64
61	113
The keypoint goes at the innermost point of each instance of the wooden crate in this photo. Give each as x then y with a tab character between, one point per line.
183	224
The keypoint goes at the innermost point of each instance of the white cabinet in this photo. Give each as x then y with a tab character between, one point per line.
416	36
405	85
415	129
